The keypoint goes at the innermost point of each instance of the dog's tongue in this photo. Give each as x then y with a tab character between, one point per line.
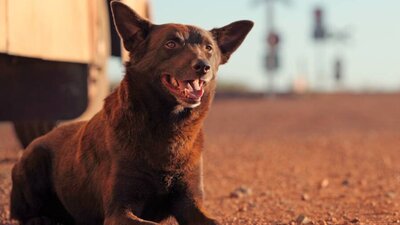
193	89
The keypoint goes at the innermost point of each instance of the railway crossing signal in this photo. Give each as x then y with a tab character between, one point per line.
273	39
272	58
319	26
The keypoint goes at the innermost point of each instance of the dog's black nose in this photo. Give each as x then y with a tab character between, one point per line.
201	67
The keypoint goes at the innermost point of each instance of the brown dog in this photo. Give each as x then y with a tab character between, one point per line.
140	158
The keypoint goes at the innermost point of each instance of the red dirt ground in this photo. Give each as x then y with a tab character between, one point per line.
331	159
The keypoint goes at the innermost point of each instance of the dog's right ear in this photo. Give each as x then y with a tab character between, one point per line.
231	36
132	28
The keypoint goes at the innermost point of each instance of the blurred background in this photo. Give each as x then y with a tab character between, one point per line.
321	46
305	127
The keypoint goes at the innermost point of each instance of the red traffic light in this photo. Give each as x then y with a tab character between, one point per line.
318	14
273	39
319	28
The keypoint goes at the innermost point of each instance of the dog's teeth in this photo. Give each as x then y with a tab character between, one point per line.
186	92
201	83
196	84
188	86
174	82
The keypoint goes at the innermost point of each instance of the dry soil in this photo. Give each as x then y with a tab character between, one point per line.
326	159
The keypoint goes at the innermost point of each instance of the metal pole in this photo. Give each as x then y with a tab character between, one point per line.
270	15
270	29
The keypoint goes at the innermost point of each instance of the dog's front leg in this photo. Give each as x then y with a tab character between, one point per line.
188	207
126	218
188	211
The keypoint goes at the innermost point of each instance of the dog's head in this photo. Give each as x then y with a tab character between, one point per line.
181	61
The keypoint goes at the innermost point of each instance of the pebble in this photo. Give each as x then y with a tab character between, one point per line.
334	220
345	182
302	219
363	182
241	192
242	209
391	195
324	183
305	197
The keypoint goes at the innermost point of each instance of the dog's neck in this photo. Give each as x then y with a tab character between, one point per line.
139	116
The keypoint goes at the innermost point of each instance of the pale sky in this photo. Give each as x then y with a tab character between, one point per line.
372	55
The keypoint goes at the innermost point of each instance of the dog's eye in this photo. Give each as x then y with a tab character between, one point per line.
209	48
170	44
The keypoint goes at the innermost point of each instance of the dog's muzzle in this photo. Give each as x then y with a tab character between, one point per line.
186	91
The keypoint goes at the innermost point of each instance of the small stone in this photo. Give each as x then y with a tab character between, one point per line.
355	220
302	219
363	182
334	220
242	209
305	197
241	192
391	195
236	194
324	183
345	182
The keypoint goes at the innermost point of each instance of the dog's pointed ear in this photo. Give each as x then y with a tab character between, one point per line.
231	36
131	27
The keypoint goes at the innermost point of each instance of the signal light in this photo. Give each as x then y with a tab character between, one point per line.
273	39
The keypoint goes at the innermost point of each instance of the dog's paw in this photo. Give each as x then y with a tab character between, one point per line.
208	222
213	222
39	221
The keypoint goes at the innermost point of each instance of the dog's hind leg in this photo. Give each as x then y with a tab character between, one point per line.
33	201
39	221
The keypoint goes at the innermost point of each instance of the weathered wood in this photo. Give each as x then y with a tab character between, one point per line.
72	31
3	26
48	29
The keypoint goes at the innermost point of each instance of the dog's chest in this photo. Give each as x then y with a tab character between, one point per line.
168	182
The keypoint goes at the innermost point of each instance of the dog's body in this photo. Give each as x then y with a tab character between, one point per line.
139	159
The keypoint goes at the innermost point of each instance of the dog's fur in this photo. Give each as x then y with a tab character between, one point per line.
139	160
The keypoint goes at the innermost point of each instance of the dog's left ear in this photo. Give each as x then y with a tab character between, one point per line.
131	27
231	36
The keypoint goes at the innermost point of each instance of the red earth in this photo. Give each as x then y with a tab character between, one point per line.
317	159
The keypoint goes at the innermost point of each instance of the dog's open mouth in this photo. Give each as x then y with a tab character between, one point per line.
186	91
